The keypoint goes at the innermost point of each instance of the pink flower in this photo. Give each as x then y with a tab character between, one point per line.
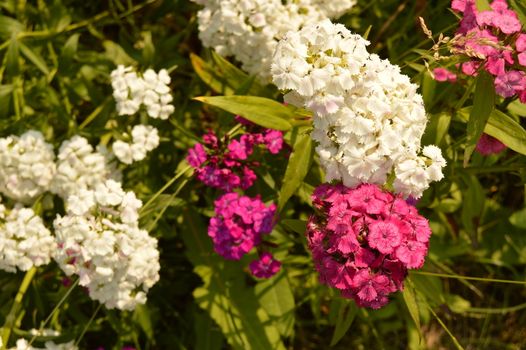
442	74
507	22
488	145
273	139
364	239
522	59
460	5
196	156
520	43
522	96
384	236
265	267
510	83
239	223
499	5
470	67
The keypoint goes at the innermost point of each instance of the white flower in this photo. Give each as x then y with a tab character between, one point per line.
130	91
250	29
115	260
26	166
145	138
24	240
22	344
79	166
368	117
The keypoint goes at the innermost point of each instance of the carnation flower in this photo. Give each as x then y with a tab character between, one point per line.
364	239
79	166
24	240
488	145
264	267
131	90
368	117
26	166
145	138
227	166
249	30
99	240
239	224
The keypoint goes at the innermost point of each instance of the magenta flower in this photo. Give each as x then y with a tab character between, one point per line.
442	74
265	267
510	83
364	239
239	223
488	145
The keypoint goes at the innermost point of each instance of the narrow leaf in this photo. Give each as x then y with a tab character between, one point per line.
262	111
9	27
298	226
297	168
483	105
35	58
483	5
508	131
346	317
210	76
12	55
410	302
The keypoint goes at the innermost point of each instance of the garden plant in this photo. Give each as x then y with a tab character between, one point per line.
262	174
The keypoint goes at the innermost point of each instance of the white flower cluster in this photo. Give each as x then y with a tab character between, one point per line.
24	240
145	138
368	117
26	166
151	90
100	241
79	166
22	344
250	29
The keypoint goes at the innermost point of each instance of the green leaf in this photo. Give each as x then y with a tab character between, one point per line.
148	51
68	52
298	226
35	58
211	77
275	295
116	54
5	99
472	205
225	295
299	164
208	336
483	5
436	129
9	27
346	316
483	105
262	111
410	301
518	218
142	316
12	58
520	8
502	127
506	130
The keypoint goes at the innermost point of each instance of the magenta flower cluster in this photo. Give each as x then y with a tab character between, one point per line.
226	165
239	223
494	41
364	239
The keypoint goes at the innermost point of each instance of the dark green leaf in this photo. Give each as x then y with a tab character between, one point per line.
9	27
483	105
262	111
68	51
410	301
35	58
12	58
298	226
346	316
297	168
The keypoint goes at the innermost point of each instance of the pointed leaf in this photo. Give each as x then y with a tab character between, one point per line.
275	295
345	319
483	105
410	301
297	168
262	111
35	58
9	27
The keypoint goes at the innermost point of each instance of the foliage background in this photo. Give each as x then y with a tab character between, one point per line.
56	57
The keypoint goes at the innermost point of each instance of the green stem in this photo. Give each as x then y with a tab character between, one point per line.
482	279
88	325
11	317
168	184
55	309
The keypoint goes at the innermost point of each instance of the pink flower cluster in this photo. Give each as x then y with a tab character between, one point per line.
239	223
364	239
494	41
265	267
225	165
